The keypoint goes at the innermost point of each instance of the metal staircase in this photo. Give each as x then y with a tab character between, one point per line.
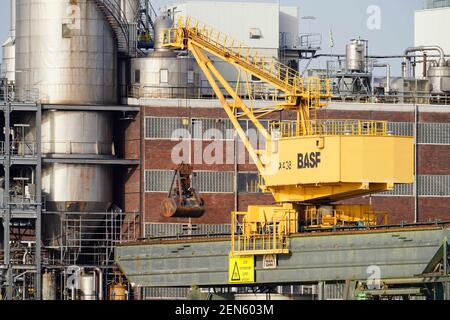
147	15
124	32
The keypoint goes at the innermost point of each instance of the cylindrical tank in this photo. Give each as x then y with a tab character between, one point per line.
130	10
81	188
65	52
49	286
118	291
8	49
13	18
88	286
356	55
80	134
439	79
86	133
164	75
8	60
162	23
77	187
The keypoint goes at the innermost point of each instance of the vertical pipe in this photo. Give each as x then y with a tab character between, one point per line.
38	200
321	290
7	217
425	64
416	165
100	283
236	173
142	171
13	19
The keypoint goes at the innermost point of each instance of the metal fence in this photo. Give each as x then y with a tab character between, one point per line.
175	230
149	293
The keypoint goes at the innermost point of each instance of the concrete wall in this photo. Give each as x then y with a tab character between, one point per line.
431	27
223	16
269	18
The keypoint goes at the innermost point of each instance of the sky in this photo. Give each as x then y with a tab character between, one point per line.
348	19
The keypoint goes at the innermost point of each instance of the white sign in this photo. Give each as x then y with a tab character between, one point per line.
270	261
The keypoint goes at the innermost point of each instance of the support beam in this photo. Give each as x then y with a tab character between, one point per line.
7	215
38	227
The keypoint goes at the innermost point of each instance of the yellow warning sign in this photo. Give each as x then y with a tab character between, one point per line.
241	269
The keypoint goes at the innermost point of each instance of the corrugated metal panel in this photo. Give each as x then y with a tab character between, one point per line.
434	133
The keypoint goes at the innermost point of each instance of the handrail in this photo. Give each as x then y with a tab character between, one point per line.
331	127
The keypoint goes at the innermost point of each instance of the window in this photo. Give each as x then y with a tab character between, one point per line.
206	181
163	76
255	33
191	78
197	129
137	76
428	186
255	79
248	182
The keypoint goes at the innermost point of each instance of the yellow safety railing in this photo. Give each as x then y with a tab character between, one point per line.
317	218
264	67
255	237
288	129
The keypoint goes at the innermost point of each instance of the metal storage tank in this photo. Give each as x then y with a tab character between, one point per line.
8	60
356	55
164	73
163	77
162	23
80	188
65	50
49	286
86	133
439	78
88	286
130	10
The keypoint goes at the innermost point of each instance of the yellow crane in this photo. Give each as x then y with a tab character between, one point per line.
307	164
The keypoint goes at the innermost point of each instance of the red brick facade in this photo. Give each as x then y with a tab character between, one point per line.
156	154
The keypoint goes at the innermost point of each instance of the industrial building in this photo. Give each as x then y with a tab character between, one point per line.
102	100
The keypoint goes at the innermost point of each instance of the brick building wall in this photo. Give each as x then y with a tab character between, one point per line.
156	157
